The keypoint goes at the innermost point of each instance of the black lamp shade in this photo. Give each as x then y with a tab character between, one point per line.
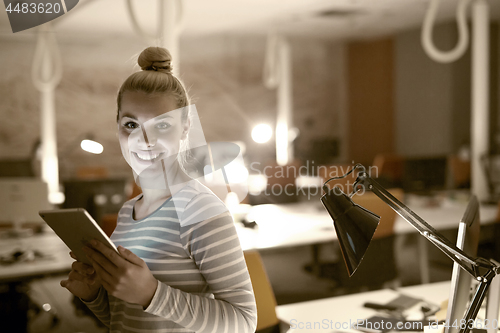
354	226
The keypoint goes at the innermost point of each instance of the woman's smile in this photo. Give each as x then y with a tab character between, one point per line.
148	156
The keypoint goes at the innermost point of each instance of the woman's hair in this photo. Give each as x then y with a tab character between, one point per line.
155	77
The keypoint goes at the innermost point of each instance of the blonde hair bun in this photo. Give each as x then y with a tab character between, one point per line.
155	59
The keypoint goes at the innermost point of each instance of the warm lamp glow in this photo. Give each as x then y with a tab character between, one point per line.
56	198
256	184
91	146
262	133
236	172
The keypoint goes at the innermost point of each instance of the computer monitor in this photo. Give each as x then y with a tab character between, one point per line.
493	304
424	174
467	240
21	199
98	196
21	168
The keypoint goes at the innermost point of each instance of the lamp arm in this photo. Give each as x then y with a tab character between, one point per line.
477	301
481	269
457	255
460	257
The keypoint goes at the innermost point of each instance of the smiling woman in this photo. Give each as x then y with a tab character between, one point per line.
181	267
151	129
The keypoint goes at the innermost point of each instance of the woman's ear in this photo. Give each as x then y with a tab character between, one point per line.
185	129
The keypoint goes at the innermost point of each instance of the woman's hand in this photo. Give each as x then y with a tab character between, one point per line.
124	275
82	280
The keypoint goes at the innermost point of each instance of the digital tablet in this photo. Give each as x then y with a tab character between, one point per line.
76	228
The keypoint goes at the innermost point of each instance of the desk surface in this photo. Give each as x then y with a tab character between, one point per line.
304	223
55	256
282	225
348	309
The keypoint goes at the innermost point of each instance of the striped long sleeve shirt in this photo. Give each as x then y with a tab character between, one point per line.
191	246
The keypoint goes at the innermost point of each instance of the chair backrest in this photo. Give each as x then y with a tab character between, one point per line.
389	167
108	223
387	215
91	172
264	295
460	171
497	219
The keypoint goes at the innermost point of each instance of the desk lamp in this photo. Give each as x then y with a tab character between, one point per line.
355	227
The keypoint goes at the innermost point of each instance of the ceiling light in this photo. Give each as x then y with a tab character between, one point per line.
262	133
91	146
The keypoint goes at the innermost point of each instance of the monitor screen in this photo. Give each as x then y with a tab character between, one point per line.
467	240
16	168
98	196
493	303
424	174
21	199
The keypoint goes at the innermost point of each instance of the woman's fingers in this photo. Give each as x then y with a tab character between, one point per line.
101	272
82	268
110	254
130	256
74	275
97	257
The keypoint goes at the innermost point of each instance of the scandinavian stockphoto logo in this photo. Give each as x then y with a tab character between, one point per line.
31	13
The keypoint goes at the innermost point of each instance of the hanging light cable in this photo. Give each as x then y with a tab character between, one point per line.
271	73
278	74
480	77
46	75
463	33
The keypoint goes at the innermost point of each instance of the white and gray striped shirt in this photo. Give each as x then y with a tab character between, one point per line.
203	281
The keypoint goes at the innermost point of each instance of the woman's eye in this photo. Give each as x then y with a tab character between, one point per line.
162	125
130	125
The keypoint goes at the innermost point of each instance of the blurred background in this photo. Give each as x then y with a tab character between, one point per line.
348	79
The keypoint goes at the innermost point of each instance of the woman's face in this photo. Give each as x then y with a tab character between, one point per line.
150	129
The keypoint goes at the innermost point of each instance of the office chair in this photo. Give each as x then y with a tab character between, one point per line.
388	169
459	171
92	172
267	320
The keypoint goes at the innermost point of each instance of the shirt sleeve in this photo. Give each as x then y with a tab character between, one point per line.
214	246
100	306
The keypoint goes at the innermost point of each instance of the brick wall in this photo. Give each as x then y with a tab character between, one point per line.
223	74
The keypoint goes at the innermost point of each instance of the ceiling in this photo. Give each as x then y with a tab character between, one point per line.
333	19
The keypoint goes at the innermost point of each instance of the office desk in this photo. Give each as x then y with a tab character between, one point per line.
444	216
442	213
287	225
284	225
308	223
348	309
55	257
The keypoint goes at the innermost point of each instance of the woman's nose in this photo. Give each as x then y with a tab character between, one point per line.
150	138
151	142
143	139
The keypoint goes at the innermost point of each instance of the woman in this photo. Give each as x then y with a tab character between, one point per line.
180	266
